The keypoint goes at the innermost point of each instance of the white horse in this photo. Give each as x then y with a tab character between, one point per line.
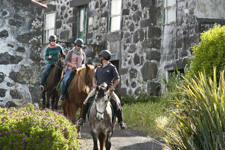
101	118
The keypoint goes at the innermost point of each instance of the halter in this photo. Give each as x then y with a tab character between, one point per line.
98	111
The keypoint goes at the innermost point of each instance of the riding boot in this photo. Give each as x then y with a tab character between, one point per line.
120	119
84	112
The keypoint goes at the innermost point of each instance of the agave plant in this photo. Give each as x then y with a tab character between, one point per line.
199	113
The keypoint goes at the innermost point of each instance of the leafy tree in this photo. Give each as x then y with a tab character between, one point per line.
210	52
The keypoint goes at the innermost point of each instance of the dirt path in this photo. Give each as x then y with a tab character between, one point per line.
128	139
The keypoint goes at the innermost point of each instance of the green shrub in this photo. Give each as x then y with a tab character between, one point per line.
210	52
30	129
141	98
200	115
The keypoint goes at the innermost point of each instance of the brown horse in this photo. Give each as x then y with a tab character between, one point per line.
101	118
51	83
78	92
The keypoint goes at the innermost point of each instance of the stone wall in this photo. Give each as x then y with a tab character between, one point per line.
20	40
136	46
178	37
210	9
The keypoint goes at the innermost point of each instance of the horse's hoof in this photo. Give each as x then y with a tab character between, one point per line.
79	135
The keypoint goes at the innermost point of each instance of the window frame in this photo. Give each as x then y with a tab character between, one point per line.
82	34
119	14
170	8
51	30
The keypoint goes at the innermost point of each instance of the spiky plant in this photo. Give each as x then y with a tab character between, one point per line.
200	114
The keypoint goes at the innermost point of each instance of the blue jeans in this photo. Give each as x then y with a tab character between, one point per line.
43	75
65	79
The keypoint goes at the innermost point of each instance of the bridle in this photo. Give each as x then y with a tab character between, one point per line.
55	63
99	111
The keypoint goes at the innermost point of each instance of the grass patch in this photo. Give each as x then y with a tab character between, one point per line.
149	117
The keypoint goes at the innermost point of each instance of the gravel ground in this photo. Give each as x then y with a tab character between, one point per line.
128	139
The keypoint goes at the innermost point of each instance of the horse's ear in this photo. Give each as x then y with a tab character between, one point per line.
97	88
86	65
107	87
62	54
96	66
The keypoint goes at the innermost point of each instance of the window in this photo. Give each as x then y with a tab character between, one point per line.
49	26
174	74
206	24
170	11
115	18
82	22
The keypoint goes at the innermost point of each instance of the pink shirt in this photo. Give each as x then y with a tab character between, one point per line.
76	60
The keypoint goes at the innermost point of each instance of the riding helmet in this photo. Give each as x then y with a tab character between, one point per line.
106	54
52	38
79	42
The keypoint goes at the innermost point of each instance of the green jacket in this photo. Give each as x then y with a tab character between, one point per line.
54	52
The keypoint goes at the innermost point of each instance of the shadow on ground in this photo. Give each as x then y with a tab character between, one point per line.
128	139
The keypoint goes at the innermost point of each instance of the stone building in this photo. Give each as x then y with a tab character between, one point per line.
149	39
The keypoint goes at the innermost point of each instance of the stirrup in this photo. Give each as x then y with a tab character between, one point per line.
60	101
123	126
42	88
80	122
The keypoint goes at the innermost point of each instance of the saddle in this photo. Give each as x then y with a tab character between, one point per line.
48	72
68	84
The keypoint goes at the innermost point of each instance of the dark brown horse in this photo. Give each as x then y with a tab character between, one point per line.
78	92
101	118
51	83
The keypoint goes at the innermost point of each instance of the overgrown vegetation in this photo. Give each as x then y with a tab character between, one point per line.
141	98
27	128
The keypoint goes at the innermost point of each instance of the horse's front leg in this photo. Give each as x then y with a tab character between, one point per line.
73	113
102	140
108	142
55	99
48	100
43	99
95	140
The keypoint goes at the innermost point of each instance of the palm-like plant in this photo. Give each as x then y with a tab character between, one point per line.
200	114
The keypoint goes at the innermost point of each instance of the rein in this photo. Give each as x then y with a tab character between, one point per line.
58	66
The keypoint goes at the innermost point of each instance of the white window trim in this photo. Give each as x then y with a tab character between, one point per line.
49	30
115	18
170	8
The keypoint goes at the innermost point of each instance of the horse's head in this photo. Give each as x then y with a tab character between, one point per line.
90	71
61	60
101	100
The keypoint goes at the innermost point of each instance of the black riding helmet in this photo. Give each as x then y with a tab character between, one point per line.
106	54
52	38
79	42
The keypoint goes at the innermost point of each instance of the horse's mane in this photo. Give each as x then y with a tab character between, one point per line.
80	80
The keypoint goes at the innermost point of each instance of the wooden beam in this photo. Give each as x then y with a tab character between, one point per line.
42	5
